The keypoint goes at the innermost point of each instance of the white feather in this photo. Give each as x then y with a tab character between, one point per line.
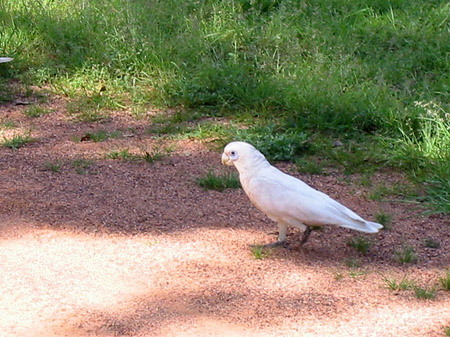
286	199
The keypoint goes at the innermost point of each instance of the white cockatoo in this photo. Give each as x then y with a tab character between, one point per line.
5	59
288	200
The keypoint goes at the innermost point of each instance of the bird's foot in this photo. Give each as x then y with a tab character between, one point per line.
306	235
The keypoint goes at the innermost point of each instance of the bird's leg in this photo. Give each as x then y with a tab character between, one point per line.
281	241
306	234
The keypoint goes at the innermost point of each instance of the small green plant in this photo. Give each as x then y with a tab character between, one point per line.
309	166
90	109
361	244
424	292
212	181
432	243
53	166
407	254
403	284
123	154
82	165
152	155
16	141
8	125
445	281
352	262
99	136
384	219
35	111
379	192
447	330
260	252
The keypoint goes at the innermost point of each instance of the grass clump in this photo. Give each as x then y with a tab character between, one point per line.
361	244
384	219
445	281
17	141
213	181
99	136
407	254
447	330
432	243
403	284
353	263
260	252
8	125
53	166
35	111
82	165
309	165
426	293
149	156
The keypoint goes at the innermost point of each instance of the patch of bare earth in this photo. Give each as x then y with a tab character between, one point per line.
128	248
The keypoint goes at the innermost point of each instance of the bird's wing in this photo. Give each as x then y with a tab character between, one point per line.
287	199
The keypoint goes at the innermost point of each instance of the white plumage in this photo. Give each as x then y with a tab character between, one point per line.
288	200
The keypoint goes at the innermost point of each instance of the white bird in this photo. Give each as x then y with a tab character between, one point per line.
5	59
286	199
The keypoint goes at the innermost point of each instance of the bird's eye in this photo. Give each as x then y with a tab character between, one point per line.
233	153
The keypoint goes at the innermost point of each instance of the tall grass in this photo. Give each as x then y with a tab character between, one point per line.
329	66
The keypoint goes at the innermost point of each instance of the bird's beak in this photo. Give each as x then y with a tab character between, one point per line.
226	160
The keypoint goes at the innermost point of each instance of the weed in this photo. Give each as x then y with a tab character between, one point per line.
82	165
89	109
152	155
309	165
260	252
447	330
16	141
424	292
432	243
8	125
361	244
36	111
123	154
445	281
338	276
99	136
212	181
53	166
352	263
407	254
384	219
403	284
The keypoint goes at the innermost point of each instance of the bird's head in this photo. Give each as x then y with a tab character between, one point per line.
242	155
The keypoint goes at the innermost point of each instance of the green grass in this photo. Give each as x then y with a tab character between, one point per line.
445	281
99	136
426	293
447	330
432	243
403	284
149	156
260	252
361	244
309	165
373	74
35	111
8	125
16	141
218	182
352	263
53	166
406	254
82	165
384	219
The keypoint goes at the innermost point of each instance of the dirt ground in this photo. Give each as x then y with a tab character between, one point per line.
128	248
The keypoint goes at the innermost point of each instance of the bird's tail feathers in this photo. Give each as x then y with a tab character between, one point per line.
365	227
